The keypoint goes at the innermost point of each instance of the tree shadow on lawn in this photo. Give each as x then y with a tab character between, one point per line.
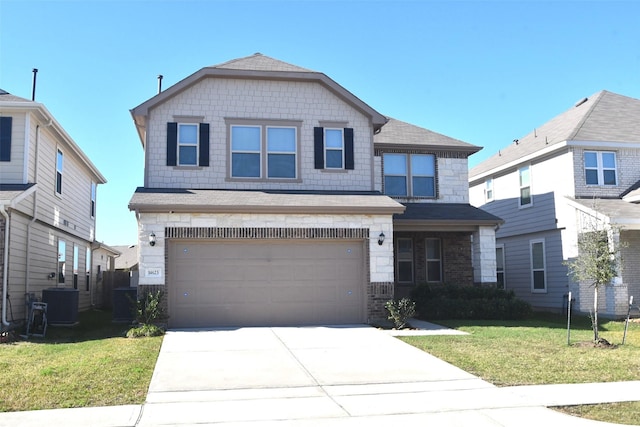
91	325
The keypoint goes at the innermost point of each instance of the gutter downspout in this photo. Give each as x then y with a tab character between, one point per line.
5	264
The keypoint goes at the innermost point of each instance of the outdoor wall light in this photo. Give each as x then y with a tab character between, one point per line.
152	239
381	239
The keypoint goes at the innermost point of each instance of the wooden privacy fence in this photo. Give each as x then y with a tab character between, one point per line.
110	281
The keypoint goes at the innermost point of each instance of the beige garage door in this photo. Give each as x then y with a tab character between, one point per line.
265	283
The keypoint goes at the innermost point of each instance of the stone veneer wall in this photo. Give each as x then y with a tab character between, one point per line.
378	279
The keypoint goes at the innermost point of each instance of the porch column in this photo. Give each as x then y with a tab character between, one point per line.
484	256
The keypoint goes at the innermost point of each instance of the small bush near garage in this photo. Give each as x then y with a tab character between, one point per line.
400	311
438	301
148	312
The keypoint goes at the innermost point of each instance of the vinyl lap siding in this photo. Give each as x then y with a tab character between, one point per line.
518	269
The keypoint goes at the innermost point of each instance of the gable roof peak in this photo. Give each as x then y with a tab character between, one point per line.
260	62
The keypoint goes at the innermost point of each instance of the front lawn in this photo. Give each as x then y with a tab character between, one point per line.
91	364
535	351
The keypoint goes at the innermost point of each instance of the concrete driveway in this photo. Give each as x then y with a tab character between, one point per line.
320	376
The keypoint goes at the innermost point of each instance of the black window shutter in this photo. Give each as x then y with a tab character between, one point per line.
5	139
204	145
318	147
172	143
348	148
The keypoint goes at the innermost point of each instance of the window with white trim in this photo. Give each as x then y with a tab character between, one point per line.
409	175
93	200
62	264
538	266
59	166
524	176
500	278
488	190
76	254
434	259
404	260
600	168
87	267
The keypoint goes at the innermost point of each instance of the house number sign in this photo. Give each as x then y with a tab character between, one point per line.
154	272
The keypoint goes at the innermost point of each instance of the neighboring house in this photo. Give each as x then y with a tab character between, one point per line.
48	190
127	261
550	185
263	201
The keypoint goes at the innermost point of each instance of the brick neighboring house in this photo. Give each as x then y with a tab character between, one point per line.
48	199
551	185
274	196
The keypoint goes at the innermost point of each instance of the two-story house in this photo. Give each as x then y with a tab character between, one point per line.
48	190
577	170
264	200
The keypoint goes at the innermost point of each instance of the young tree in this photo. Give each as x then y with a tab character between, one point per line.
596	263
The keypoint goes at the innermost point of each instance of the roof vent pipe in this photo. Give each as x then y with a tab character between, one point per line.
159	83
33	89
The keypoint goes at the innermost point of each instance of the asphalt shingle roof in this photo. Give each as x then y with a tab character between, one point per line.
603	117
260	62
447	212
397	132
196	200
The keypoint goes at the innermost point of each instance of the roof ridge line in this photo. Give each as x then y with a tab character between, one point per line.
586	116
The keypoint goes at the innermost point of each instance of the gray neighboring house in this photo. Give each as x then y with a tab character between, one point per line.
550	185
48	199
274	196
127	261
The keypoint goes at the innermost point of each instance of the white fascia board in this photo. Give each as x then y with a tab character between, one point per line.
522	160
604	144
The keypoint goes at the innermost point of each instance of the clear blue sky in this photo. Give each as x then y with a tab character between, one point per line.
485	72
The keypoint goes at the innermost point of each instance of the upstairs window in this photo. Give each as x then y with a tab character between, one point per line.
187	144
59	167
409	175
93	200
333	148
524	175
264	151
281	152
600	168
246	151
5	138
488	190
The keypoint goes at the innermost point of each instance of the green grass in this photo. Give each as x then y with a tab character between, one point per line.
91	364
535	351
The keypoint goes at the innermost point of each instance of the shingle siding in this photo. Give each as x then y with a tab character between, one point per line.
214	100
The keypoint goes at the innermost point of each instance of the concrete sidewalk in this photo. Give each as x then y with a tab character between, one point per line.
329	376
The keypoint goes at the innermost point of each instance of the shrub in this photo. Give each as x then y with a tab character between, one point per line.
436	301
145	330
400	311
149	309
